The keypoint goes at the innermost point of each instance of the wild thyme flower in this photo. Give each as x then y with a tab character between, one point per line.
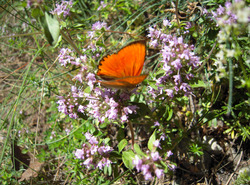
166	23
102	5
148	165
169	153
96	27
63	8
103	105
177	62
233	21
67	131
65	56
99	25
91	80
156	123
29	3
69	105
93	154
157	143
93	35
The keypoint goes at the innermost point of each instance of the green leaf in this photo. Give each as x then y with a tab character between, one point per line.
168	113
105	170
51	28
164	165
199	84
36	13
138	150
151	141
122	144
127	158
115	155
109	170
87	89
121	134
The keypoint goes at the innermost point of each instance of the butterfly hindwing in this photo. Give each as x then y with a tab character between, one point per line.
125	83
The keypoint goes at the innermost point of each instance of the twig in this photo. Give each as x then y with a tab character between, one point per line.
14	71
236	167
176	13
132	134
70	42
20	35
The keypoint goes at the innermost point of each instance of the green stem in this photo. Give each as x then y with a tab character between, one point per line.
229	106
119	176
70	42
132	134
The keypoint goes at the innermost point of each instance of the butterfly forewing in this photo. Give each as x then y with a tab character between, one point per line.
127	62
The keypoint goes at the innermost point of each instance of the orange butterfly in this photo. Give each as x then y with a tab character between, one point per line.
122	70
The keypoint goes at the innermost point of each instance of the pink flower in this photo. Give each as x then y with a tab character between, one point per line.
78	77
138	163
157	143
91	80
156	123
90	138
169	153
166	22
79	154
124	118
159	173
62	8
88	162
155	156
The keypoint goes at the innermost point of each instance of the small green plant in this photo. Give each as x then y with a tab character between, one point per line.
243	178
196	150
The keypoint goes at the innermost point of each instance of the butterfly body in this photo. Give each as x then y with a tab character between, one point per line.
123	69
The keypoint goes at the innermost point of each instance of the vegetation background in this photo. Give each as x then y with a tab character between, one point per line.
167	131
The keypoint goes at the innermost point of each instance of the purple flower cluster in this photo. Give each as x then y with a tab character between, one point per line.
178	60
70	105
231	13
101	103
94	35
102	5
93	154
221	11
62	8
233	20
95	27
65	57
149	165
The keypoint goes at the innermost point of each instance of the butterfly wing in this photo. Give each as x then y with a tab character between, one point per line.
127	62
124	83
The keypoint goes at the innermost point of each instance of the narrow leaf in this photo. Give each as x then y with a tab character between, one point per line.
122	144
151	141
